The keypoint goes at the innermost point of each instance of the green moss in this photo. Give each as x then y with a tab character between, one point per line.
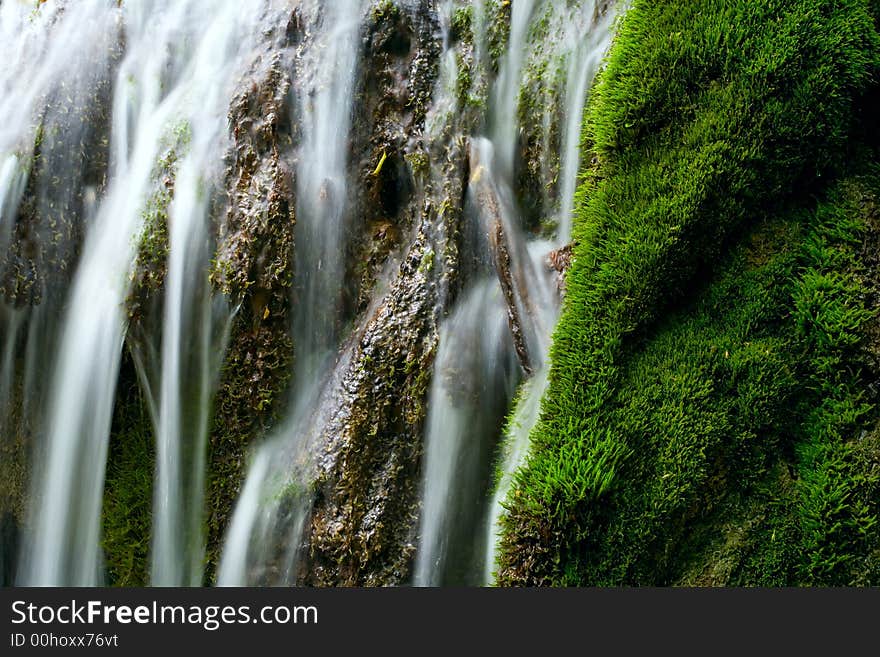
14	446
384	10
464	80
462	25
498	30
419	163
148	273
128	487
253	268
426	264
839	482
471	84
710	120
249	402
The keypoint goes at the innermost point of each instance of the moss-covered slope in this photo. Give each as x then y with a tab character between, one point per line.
710	416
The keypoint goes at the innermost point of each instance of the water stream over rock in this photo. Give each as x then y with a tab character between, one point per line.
320	239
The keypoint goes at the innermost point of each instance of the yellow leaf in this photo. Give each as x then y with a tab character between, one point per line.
381	162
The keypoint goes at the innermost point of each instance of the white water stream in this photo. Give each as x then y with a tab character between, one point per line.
180	58
148	81
270	504
580	37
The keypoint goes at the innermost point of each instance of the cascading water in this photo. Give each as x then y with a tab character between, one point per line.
116	130
581	34
271	504
189	339
178	57
503	111
583	37
53	83
323	94
586	41
474	377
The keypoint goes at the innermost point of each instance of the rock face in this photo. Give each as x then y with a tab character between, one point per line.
408	167
65	172
367	500
397	75
253	267
365	512
500	248
401	267
408	170
559	260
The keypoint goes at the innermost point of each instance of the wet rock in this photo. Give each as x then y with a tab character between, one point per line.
559	260
367	484
256	238
399	70
147	280
365	517
253	268
501	258
65	168
412	174
513	285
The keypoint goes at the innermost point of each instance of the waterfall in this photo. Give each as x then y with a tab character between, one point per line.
585	44
581	35
179	57
274	502
55	63
514	450
189	343
323	90
503	112
118	127
472	385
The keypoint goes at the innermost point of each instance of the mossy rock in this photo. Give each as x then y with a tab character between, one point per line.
708	297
